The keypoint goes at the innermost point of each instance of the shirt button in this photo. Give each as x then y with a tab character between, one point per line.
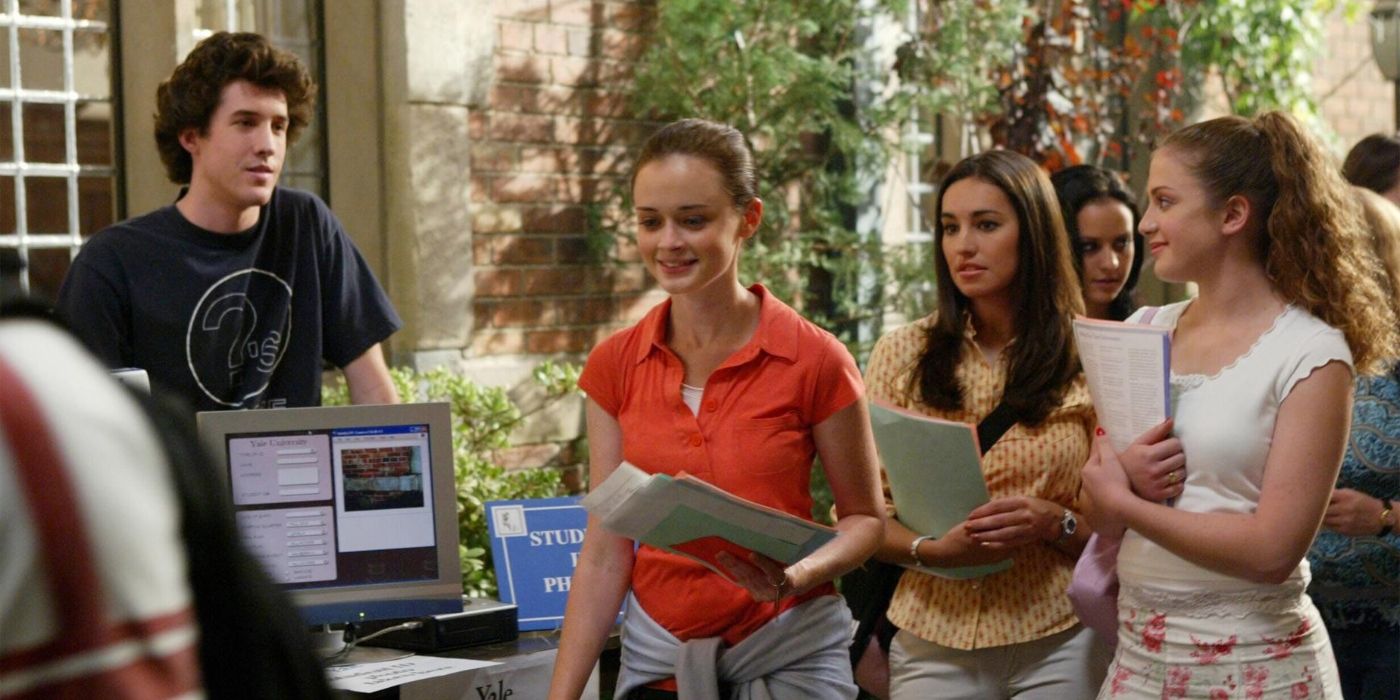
695	440
711	406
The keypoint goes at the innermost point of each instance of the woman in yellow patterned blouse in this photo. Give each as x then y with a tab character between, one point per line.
1007	292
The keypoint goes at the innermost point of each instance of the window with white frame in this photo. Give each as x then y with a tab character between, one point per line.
58	183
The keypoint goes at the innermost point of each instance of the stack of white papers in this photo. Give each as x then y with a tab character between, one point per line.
1128	369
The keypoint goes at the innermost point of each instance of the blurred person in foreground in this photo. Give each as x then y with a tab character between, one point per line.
122	575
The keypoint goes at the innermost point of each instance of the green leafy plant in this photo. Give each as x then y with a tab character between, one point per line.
1072	81
483	419
783	73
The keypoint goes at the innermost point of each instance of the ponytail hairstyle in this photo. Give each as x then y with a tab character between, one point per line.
1077	187
1042	359
1312	240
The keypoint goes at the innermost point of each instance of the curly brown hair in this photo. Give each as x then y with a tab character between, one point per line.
189	97
1315	246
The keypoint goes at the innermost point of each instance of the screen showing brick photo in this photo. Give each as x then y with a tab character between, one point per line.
337	507
379	478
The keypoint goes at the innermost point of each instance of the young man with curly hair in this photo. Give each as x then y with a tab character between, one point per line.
234	295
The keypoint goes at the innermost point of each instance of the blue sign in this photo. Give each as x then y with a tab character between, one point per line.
535	543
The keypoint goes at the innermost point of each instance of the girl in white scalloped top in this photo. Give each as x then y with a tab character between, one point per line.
1212	601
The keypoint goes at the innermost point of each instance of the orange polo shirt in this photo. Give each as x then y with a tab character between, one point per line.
752	437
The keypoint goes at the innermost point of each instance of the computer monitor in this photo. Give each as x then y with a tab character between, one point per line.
352	509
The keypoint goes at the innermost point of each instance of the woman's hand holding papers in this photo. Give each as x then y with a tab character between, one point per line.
957	548
1155	463
1014	521
765	579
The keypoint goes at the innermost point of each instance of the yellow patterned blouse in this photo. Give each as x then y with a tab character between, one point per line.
1027	601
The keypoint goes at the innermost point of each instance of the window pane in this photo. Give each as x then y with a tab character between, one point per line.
43	133
47	8
95	133
289	20
305	155
213	15
92	66
46	270
4	57
97	204
95	10
41	59
7	208
7	141
46	204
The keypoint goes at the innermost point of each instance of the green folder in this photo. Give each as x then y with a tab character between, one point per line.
935	472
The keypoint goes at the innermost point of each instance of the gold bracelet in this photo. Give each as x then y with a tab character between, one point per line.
1386	525
914	549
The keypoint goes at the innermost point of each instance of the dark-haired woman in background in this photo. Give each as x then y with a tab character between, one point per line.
1007	293
1101	220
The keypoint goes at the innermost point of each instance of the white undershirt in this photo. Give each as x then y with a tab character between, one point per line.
691	396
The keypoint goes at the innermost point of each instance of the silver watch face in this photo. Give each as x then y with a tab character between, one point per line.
1068	524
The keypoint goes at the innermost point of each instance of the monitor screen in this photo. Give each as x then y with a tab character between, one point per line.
350	508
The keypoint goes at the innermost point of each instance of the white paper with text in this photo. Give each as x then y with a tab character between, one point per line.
372	677
1128	368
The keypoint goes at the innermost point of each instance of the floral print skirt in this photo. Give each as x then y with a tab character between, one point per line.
1215	652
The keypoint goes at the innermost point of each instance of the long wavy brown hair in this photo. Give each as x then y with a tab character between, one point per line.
1315	245
1042	359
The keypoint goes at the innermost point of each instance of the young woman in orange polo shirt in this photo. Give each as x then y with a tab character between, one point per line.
1007	292
726	383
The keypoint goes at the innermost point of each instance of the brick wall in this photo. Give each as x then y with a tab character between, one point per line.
381	477
554	137
378	461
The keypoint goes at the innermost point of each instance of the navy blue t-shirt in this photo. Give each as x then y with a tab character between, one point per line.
239	320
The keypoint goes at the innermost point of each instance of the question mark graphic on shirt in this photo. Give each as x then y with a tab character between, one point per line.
247	306
232	309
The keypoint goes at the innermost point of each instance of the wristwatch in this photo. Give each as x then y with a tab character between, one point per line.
1068	524
1387	518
